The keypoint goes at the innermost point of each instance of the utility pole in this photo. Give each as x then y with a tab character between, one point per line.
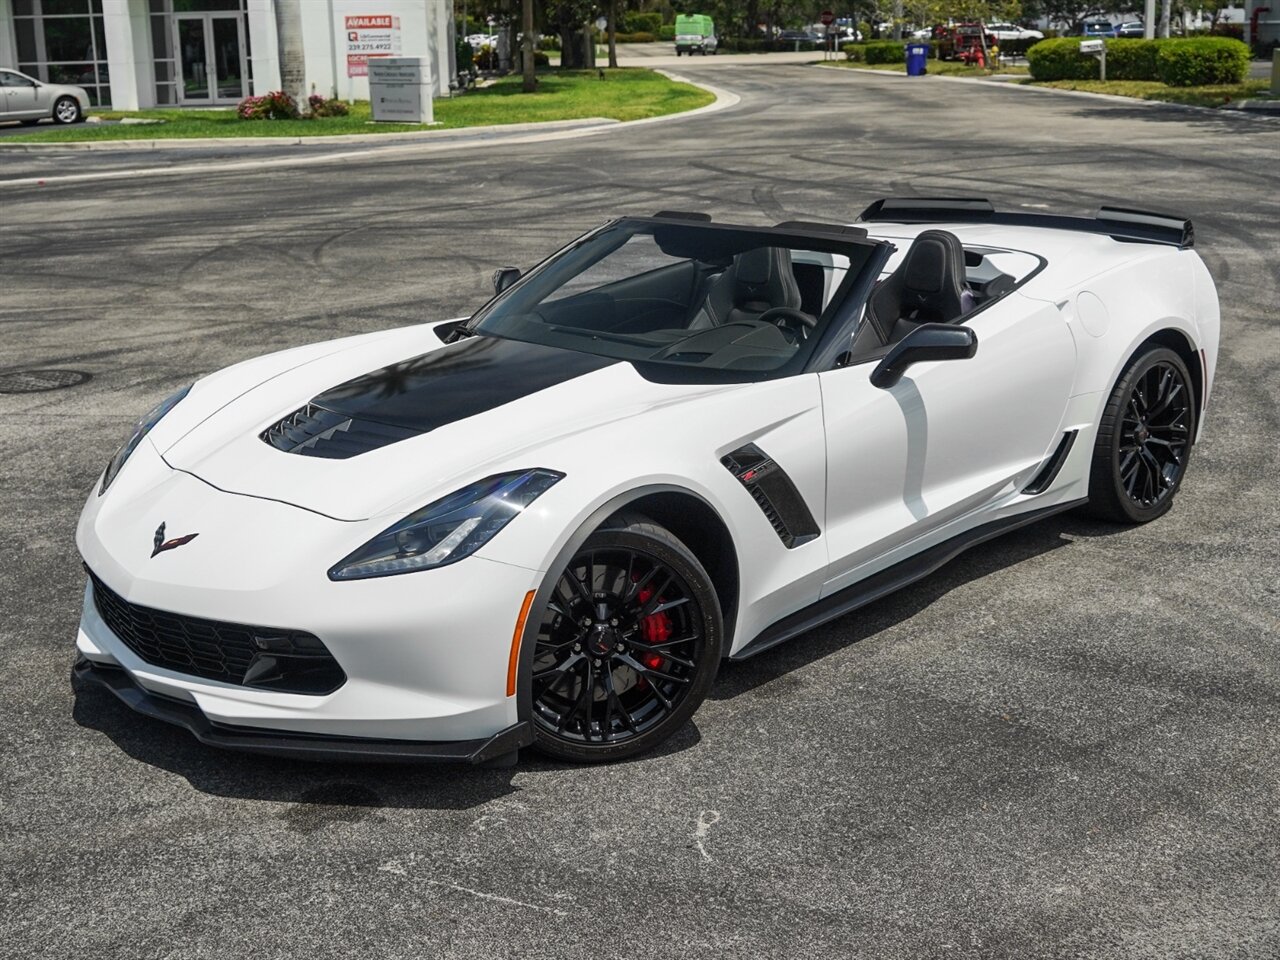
1149	20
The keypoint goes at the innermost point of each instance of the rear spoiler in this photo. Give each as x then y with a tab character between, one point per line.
1142	226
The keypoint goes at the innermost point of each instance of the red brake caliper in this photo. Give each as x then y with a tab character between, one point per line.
655	628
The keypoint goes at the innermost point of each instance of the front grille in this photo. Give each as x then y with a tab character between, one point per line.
313	431
286	660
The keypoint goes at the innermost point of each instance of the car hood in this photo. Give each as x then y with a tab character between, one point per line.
386	425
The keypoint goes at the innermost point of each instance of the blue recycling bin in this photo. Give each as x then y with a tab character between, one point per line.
917	55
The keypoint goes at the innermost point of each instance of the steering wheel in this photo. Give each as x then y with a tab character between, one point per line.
796	323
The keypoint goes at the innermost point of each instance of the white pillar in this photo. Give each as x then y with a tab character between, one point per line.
264	47
125	57
8	42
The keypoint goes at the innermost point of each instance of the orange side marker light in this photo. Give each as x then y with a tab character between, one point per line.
513	664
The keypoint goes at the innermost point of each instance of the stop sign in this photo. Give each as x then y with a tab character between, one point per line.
827	17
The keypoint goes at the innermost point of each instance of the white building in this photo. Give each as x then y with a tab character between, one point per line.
131	54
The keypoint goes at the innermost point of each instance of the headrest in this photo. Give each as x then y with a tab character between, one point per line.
934	263
755	266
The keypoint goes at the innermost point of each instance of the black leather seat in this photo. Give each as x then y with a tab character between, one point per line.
928	287
756	281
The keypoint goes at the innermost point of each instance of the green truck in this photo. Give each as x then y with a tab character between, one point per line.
695	33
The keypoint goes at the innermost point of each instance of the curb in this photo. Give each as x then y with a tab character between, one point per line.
196	143
500	131
1247	112
424	142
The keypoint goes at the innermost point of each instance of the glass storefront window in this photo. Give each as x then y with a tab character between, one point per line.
63	41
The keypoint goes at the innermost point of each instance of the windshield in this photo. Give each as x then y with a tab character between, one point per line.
700	296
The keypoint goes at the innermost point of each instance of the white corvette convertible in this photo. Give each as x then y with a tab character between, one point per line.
671	442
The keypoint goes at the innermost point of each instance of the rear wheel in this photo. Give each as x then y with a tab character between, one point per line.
628	647
66	110
1144	439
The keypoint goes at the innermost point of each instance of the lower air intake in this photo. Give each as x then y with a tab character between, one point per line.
286	660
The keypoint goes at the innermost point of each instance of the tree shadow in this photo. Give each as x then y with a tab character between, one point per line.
1054	533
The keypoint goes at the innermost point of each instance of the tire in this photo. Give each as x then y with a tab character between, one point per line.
66	110
1144	439
647	673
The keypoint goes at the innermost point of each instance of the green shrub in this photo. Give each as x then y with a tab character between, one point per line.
1201	61
1132	59
640	23
667	31
886	51
1061	59
635	37
549	41
855	51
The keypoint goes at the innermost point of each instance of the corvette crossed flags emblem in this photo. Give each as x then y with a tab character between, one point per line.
161	544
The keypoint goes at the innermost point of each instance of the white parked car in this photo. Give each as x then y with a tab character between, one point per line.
30	100
670	443
1012	31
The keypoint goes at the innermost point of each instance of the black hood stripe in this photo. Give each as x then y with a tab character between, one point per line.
416	396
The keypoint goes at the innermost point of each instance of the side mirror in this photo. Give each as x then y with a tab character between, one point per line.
929	341
504	277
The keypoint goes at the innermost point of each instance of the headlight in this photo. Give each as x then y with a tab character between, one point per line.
140	430
449	529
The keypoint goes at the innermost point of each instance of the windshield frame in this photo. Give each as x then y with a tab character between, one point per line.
842	311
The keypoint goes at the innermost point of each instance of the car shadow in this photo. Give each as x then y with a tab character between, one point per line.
1054	533
319	792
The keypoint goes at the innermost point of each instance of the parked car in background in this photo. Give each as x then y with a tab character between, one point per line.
1131	28
30	100
799	36
1098	28
1012	31
695	33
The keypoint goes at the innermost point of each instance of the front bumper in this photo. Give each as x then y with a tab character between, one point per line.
425	654
299	746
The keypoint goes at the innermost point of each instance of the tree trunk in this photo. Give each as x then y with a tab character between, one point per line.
293	63
897	19
1165	9
613	41
530	80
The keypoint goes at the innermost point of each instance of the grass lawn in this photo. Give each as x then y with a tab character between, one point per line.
937	68
1214	96
626	94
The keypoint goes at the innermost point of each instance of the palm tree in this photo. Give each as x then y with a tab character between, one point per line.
293	63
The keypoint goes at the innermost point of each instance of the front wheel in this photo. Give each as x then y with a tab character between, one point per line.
1144	439
66	110
628	647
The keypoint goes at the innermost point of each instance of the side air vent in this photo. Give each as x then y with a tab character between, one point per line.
775	494
316	432
1045	476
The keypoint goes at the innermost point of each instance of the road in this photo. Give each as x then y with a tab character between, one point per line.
1064	744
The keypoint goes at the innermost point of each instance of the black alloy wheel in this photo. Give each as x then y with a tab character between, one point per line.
628	646
1144	439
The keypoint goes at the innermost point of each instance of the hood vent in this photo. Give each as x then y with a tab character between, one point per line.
314	431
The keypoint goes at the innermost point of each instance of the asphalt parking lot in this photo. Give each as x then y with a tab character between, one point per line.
1064	744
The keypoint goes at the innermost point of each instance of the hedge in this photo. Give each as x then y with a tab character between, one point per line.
855	51
634	37
1178	63
1061	59
1202	60
667	31
886	51
640	23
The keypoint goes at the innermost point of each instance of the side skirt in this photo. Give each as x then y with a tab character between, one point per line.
892	578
